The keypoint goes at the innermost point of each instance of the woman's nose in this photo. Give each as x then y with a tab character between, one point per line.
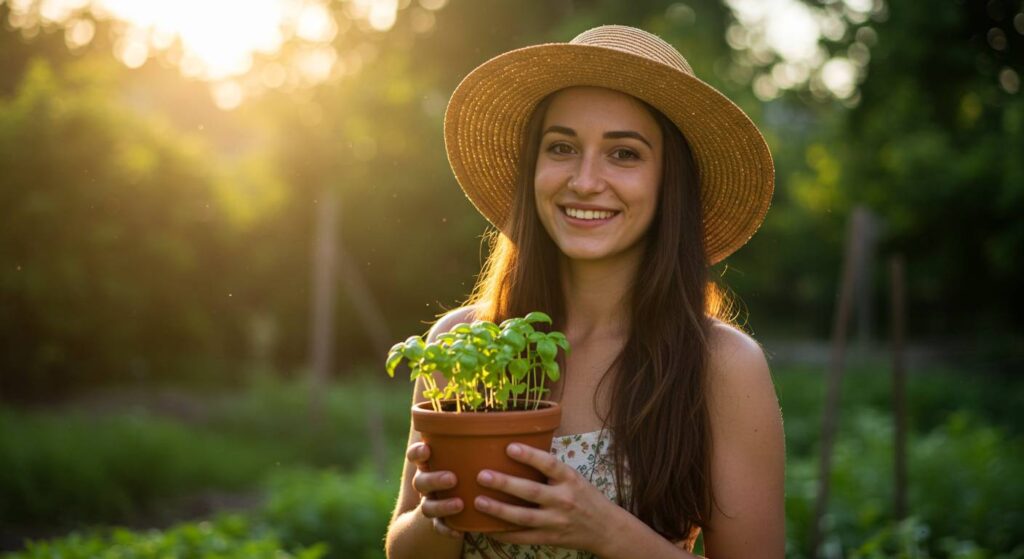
587	179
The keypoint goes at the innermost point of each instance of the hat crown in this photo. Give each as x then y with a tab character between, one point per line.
636	42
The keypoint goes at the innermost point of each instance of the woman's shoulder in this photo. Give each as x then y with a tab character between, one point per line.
736	364
451	319
727	343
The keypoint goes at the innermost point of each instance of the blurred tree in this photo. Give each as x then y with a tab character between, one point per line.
935	147
109	226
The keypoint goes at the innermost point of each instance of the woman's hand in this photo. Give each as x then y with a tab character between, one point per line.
573	513
426	483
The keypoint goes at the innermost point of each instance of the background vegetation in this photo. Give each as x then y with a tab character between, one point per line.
157	229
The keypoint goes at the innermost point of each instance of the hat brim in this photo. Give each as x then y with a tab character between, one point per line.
490	108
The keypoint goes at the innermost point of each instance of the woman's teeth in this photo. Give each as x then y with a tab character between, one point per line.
588	214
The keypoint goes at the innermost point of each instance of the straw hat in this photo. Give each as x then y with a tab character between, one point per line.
483	126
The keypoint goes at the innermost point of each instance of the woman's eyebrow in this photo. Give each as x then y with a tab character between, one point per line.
613	135
627	134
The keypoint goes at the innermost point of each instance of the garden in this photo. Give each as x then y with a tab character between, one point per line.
216	219
84	474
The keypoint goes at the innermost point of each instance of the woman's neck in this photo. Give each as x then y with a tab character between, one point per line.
597	294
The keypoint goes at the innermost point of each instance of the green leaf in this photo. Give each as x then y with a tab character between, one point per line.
516	340
547	349
553	373
468	361
394	358
537	316
518	368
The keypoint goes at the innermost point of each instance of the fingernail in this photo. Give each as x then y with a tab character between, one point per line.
448	479
514	449
482	503
486	477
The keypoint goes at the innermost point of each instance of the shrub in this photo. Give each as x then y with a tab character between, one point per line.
963	490
229	537
65	468
349	513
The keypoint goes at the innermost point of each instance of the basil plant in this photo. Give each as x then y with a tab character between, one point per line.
486	367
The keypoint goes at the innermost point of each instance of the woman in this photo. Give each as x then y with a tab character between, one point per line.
616	179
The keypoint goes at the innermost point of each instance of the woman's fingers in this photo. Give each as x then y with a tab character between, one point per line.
433	508
522	516
418	453
543	461
428	482
525	489
441	528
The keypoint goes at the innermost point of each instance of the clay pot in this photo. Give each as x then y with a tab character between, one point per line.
465	443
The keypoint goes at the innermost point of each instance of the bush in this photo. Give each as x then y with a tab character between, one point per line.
229	537
68	466
349	513
64	469
963	490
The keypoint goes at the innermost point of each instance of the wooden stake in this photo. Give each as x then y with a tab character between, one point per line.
899	384
853	259
323	300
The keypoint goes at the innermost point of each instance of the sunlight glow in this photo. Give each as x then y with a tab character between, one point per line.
785	40
236	45
210	32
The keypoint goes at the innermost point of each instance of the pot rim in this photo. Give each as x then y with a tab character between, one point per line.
425	419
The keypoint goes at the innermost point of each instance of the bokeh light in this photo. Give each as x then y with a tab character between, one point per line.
236	45
781	46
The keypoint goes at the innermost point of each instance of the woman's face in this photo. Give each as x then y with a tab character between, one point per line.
598	172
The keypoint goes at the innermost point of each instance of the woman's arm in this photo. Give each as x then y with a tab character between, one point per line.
416	529
411	533
748	451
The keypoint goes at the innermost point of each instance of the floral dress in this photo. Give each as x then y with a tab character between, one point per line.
589	454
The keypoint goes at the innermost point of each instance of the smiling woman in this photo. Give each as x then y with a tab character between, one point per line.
615	178
597	177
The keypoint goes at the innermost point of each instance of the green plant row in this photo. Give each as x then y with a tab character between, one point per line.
307	514
68	466
485	366
227	537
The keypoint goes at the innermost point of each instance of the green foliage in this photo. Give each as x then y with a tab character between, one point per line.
347	512
70	466
63	469
270	409
964	492
485	366
961	491
107	218
229	537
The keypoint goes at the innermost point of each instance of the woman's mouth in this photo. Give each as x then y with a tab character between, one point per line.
595	216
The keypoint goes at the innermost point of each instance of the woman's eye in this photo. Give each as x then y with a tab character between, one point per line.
560	149
625	154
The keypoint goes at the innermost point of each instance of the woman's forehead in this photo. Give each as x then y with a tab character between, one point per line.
600	108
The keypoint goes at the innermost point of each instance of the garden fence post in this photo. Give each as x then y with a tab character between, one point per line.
323	299
899	384
852	261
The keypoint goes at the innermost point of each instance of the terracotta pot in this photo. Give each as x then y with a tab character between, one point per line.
465	443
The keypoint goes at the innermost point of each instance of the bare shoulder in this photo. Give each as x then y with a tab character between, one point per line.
733	353
748	450
738	373
451	319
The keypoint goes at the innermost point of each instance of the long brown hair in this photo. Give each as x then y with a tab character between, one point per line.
658	414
